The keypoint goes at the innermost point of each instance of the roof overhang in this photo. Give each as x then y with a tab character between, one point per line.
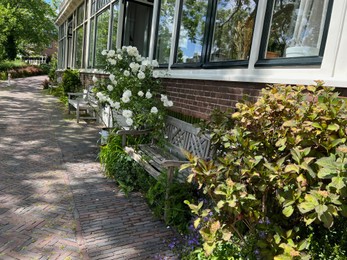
66	9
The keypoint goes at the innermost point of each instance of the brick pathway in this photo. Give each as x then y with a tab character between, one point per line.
54	201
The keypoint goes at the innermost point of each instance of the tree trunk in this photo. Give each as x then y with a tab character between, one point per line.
10	48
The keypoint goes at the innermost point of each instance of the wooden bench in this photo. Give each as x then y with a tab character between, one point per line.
83	102
180	136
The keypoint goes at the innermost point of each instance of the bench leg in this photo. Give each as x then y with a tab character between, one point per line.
78	113
170	173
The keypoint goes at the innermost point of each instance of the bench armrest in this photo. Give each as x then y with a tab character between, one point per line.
173	163
125	133
75	94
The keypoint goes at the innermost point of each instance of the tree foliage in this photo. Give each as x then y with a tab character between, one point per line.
24	24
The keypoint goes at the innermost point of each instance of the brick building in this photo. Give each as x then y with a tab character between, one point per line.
212	52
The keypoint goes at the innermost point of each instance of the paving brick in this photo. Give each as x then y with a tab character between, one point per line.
55	202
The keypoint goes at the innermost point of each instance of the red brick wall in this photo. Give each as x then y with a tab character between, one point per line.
198	98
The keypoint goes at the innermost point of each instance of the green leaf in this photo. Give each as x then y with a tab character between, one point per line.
333	127
326	173
321	209
327	220
344	210
288	211
220	204
338	141
290	123
277	239
304	244
317	125
197	223
292	168
305	207
208	248
338	182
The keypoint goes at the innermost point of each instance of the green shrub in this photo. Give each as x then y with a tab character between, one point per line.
45	68
280	176
71	81
53	68
8	65
130	176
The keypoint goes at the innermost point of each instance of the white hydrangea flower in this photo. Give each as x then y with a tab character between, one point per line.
138	58
148	94
119	56
127	93
112	61
111	53
112	77
143	67
141	75
134	67
104	52
155	63
140	93
146	62
124	48
115	105
155	74
125	99
126	73
95	79
154	110
127	113
129	121
163	98
168	103
109	87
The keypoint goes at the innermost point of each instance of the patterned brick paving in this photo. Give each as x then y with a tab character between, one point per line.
54	201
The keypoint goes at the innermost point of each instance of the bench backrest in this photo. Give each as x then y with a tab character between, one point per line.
182	135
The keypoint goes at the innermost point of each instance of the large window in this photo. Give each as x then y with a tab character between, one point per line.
102	26
137	26
295	31
165	28
215	32
114	26
232	30
91	43
79	48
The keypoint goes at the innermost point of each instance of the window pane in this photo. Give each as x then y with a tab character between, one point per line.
233	30
102	22
165	26
80	14
91	44
115	26
137	27
61	54
79	47
191	33
296	28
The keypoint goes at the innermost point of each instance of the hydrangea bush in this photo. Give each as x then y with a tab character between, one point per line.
133	89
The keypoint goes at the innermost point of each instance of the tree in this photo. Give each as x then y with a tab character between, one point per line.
25	23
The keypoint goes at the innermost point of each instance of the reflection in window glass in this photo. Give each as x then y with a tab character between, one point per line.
114	26
165	26
79	47
233	30
191	33
102	22
80	14
61	57
297	28
91	44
